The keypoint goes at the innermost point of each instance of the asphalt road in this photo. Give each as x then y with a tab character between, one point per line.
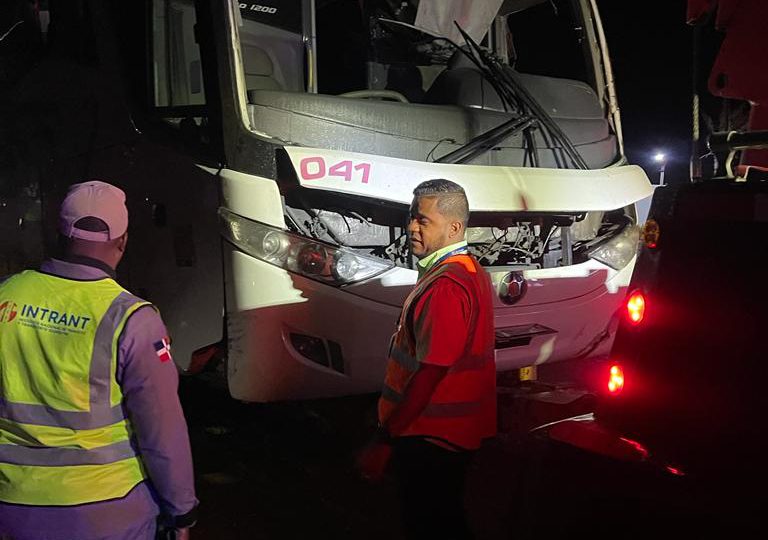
285	471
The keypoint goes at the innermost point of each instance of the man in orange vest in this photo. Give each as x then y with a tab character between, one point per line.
439	397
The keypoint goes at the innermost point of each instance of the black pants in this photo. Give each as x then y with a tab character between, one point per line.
430	485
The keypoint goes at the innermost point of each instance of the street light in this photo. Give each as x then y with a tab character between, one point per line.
661	159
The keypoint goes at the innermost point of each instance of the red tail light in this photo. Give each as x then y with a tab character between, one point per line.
675	471
615	379
636	308
641	450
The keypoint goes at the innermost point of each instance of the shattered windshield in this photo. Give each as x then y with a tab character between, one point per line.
385	87
518	95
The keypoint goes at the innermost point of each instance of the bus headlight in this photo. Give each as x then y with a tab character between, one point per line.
311	258
619	250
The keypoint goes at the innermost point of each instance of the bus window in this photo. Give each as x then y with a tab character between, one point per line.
177	70
272	45
342	46
562	54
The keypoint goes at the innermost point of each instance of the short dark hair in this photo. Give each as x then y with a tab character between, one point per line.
451	197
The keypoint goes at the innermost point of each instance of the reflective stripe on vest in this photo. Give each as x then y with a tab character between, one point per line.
404	358
444	410
462	408
47	456
64	438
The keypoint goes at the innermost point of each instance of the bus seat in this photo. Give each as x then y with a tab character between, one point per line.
259	71
407	80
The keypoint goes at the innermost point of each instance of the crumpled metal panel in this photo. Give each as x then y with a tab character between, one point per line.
489	189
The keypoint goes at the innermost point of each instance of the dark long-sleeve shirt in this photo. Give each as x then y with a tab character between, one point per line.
149	384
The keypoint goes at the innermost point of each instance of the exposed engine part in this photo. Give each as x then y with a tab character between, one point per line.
520	245
396	252
542	242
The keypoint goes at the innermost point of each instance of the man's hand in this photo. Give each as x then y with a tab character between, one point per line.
373	460
182	534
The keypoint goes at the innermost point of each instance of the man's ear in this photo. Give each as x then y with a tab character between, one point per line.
457	230
122	242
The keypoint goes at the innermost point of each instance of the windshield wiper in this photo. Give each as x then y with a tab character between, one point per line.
514	93
514	97
487	140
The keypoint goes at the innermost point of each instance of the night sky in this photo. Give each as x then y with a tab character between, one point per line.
650	47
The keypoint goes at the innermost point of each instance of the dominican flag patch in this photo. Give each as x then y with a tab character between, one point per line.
163	349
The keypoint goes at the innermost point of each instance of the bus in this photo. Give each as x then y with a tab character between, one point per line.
269	152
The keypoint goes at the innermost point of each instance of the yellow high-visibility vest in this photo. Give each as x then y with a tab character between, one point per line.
64	436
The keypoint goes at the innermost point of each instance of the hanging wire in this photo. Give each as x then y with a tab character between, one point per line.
441	141
513	86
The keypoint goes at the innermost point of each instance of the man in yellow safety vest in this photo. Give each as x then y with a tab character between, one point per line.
93	441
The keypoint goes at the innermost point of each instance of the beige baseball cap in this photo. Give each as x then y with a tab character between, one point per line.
94	199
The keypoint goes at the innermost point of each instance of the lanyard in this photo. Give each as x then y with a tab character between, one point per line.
463	250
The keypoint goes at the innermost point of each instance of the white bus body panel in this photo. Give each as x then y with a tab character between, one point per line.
266	307
265	304
489	188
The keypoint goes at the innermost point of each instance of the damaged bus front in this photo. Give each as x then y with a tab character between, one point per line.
269	152
338	109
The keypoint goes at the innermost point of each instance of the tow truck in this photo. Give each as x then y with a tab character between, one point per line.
677	441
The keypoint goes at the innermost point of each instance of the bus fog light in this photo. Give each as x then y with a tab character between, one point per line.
310	347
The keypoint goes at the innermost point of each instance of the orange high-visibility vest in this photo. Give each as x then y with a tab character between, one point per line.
462	409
